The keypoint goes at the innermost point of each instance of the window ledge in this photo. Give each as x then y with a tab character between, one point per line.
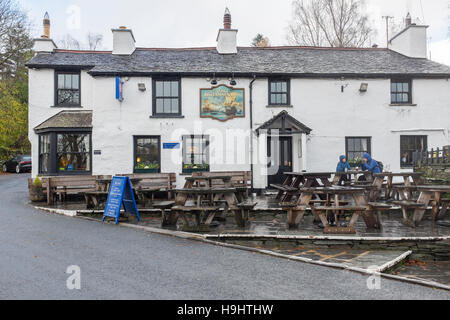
403	105
279	106
167	117
66	106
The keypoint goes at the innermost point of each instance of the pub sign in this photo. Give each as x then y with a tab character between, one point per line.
222	103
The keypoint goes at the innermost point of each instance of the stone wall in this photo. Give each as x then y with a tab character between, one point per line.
436	173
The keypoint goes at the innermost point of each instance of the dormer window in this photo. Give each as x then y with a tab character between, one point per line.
68	89
401	91
279	92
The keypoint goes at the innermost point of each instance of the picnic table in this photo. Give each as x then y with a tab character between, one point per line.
205	206
429	196
297	210
409	179
295	180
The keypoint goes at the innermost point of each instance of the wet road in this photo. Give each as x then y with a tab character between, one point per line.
119	263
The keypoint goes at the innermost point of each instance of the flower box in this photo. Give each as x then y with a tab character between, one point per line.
146	171
189	171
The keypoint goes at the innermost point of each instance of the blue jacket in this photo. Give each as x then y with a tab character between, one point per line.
342	165
371	164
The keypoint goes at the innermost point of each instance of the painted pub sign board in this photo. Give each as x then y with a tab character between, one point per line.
120	193
222	103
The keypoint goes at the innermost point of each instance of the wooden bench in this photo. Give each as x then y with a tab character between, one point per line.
150	183
338	210
64	185
240	180
445	203
203	217
379	208
167	219
406	205
245	208
401	192
95	199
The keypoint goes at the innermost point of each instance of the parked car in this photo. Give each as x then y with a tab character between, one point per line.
18	164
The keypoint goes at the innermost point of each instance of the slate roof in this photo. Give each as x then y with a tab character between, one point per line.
300	61
68	120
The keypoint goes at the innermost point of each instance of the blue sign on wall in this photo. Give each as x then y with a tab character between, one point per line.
120	193
119	89
171	146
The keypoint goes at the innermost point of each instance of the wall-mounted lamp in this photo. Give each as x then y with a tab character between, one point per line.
142	87
364	87
233	81
214	81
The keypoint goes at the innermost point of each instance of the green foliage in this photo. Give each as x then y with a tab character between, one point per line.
147	165
15	51
260	41
37	182
13	120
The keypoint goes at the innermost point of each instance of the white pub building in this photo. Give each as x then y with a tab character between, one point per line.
227	108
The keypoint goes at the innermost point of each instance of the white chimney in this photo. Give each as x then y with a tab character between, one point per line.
123	41
227	38
44	44
412	41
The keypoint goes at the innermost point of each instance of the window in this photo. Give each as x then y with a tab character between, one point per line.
195	153
166	97
279	92
356	147
67	89
44	153
401	92
147	155
73	152
409	145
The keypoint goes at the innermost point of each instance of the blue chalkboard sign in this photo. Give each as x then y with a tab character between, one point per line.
120	193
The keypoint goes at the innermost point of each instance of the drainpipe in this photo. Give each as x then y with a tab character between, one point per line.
251	129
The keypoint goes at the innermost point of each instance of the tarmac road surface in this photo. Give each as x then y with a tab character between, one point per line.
119	263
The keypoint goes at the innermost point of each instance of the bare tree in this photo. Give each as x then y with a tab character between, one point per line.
93	42
68	42
334	23
15	40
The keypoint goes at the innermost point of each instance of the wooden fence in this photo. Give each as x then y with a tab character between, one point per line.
434	156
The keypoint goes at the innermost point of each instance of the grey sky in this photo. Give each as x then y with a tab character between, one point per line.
193	23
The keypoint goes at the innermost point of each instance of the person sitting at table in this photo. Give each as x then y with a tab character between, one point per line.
370	164
343	166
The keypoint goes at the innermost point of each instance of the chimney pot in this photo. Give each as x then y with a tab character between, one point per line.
46	34
408	20
227	19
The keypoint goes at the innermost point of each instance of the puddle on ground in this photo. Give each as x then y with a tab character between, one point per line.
436	271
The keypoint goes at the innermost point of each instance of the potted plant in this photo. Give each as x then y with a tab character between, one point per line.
354	163
37	191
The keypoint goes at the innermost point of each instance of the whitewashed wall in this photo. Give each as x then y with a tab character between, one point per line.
318	103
